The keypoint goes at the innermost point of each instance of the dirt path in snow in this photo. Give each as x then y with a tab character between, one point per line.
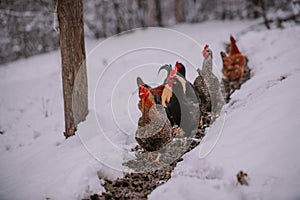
137	186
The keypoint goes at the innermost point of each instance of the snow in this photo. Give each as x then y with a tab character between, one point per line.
259	135
36	161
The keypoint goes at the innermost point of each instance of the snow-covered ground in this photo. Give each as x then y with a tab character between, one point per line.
261	131
259	137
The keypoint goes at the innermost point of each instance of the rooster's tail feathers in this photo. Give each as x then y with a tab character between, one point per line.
233	48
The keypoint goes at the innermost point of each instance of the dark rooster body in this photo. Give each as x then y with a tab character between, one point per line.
180	100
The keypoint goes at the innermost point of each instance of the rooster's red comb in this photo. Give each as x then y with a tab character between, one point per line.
206	47
142	88
144	92
177	66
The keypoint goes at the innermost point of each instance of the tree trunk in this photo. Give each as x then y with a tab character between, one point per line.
118	17
255	4
179	11
141	12
103	17
74	75
158	13
150	12
264	14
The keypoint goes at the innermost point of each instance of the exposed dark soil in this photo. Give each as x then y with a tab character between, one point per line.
139	184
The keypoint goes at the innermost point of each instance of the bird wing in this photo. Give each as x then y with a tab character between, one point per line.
166	95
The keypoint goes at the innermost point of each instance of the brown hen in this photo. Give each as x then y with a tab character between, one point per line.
233	66
154	129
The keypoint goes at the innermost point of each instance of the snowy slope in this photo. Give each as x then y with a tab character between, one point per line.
38	163
261	132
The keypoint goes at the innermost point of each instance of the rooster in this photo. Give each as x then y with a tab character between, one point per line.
169	101
180	100
154	129
233	67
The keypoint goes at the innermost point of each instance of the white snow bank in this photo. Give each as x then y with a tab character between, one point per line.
261	133
36	160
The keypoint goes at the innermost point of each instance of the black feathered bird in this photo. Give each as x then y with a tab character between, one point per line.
180	100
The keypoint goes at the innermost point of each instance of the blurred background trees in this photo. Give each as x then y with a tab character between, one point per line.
25	29
29	27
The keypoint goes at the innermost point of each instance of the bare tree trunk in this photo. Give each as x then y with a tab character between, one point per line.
264	13
104	18
158	13
150	12
141	12
253	5
179	11
74	76
118	17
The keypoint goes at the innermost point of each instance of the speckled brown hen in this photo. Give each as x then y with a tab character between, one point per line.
154	129
207	86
